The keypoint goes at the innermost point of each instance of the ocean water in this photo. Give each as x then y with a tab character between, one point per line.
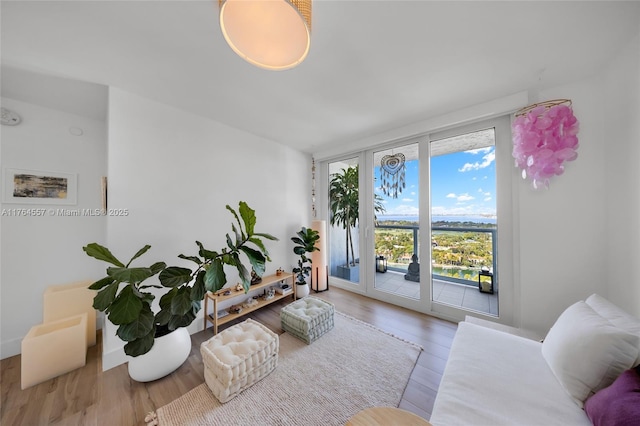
438	218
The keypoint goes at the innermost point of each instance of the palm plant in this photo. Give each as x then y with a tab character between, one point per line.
344	204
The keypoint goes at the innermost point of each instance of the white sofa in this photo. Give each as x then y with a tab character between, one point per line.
495	376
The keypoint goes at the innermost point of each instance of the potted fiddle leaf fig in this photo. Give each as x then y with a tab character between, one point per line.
129	306
209	270
305	243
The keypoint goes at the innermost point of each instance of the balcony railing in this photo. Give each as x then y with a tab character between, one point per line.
462	258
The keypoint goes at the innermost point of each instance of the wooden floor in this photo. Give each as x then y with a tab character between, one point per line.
88	396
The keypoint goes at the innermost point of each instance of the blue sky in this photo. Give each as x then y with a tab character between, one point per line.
462	183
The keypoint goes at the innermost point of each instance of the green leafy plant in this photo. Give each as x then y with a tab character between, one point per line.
305	240
344	204
129	306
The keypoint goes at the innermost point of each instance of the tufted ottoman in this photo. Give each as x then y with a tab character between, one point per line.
307	318
238	357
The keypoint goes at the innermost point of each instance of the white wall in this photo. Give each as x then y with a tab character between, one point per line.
621	139
582	235
562	229
174	172
37	252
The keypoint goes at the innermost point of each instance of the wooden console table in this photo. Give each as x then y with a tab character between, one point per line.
267	281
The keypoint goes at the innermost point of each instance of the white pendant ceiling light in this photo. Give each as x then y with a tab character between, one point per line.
270	34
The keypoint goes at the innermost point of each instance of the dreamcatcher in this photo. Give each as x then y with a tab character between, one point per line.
392	170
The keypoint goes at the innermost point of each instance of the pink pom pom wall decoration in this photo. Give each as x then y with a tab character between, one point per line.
544	137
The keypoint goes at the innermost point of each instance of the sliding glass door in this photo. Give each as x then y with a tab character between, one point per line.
426	223
470	207
396	225
464	221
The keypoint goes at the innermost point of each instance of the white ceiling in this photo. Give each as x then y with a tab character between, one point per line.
373	65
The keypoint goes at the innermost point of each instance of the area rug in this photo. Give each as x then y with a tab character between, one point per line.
350	368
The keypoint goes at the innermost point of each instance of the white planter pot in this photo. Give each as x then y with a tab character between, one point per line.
302	290
167	355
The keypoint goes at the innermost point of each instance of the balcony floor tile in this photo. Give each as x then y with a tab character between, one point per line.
459	295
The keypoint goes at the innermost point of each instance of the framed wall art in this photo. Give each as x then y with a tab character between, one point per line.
39	187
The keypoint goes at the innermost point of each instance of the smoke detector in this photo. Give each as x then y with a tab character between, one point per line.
9	118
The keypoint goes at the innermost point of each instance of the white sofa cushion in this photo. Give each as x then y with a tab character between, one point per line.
615	316
586	352
494	378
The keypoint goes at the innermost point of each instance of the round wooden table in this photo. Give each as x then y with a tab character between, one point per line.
386	416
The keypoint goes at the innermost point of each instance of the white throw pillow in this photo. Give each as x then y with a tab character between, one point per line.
586	352
615	316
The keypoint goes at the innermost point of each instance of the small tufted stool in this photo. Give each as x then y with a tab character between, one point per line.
238	357
307	318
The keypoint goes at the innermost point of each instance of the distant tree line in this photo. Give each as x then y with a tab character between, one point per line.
450	248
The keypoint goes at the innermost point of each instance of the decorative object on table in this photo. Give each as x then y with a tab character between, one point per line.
485	280
392	172
235	309
269	293
544	137
39	187
250	303
129	306
413	271
283	289
319	266
279	271
344	204
239	287
255	278
305	243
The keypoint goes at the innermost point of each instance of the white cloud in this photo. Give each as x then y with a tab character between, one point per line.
484	150
488	199
487	160
460	198
403	209
407	200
